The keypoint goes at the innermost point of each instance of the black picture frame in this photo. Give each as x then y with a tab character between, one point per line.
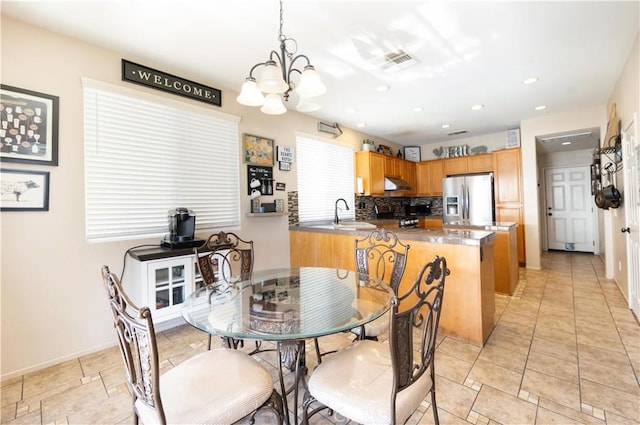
412	152
24	190
28	126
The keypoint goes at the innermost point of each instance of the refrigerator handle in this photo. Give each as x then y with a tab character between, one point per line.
465	202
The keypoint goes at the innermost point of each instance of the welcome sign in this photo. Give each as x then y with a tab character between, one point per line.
149	77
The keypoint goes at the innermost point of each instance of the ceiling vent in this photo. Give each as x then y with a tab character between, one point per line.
457	133
397	60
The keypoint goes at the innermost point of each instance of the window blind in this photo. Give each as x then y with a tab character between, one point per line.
145	155
325	173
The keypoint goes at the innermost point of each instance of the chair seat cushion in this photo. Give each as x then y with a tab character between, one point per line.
357	383
218	386
375	328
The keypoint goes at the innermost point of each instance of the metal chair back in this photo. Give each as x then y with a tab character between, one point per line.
137	343
224	257
416	313
382	255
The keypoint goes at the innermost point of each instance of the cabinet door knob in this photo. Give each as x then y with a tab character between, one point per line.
625	230
549	214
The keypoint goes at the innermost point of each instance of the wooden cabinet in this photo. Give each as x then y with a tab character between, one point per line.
429	176
454	166
163	285
370	166
431	223
480	163
508	192
392	166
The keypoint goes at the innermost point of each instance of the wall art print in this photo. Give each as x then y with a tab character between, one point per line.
24	190
28	126
257	150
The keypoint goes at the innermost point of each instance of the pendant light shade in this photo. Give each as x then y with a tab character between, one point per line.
310	83
273	105
271	80
250	95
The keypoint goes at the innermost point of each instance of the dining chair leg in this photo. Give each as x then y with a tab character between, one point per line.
436	420
317	346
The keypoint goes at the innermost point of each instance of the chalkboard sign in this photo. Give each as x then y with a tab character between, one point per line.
259	178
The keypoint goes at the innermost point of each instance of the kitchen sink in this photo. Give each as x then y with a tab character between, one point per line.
354	225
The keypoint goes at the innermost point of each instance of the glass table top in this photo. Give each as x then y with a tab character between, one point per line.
286	304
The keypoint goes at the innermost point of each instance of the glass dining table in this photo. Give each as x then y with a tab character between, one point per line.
288	306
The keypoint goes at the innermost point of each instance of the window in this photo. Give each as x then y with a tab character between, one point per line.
145	155
325	173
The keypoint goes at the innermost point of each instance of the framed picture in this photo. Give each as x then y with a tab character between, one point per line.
257	150
412	153
28	126
24	190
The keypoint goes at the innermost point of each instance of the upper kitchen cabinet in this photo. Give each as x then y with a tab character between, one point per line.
455	166
429	177
392	166
506	164
370	167
480	163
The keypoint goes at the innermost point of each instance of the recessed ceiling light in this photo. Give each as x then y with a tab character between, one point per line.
361	124
383	88
566	143
445	126
540	108
417	109
530	80
477	107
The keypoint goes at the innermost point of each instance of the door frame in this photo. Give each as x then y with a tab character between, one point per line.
545	227
633	267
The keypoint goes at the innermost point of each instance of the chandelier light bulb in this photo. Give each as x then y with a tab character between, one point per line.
250	95
273	105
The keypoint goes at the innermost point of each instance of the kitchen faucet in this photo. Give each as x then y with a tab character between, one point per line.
336	220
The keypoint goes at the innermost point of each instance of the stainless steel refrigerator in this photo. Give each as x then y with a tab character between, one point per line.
468	199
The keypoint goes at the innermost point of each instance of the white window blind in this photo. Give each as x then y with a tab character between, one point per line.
325	173
145	155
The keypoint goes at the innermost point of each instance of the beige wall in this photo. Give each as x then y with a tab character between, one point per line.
626	96
53	303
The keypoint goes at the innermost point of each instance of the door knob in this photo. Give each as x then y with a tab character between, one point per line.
625	230
550	214
549	208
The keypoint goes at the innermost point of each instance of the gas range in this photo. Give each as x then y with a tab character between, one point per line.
411	221
384	212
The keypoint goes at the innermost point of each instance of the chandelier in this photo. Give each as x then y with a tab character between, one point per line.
275	80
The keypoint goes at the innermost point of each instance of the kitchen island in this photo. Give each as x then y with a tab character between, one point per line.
505	252
469	300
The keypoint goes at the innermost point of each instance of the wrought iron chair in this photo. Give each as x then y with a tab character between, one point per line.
223	259
384	256
213	387
374	382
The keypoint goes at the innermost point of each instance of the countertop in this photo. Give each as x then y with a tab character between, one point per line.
496	226
442	236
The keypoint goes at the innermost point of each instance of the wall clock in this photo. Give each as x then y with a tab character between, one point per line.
412	153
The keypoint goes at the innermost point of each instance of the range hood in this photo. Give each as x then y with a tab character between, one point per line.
394	183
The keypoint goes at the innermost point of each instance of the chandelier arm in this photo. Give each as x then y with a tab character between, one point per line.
254	67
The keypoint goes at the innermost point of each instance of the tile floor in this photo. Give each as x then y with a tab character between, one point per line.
566	349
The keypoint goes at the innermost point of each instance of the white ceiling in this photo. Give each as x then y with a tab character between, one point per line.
466	53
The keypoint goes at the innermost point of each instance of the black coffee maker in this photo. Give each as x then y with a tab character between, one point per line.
182	226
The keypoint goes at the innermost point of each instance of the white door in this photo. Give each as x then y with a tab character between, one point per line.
631	196
569	208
